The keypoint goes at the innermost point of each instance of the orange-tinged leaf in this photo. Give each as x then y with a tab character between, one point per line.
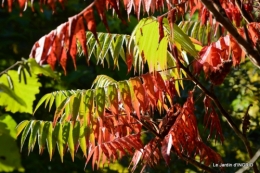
113	98
81	35
125	96
149	87
10	4
63	60
114	5
129	61
72	33
236	51
101	7
22	6
91	25
139	94
137	6
51	3
62	3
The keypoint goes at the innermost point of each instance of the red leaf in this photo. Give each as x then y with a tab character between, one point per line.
253	30
51	3
204	15
171	18
236	50
114	5
210	58
137	5
81	34
147	5
91	25
128	6
161	31
149	87
10	4
166	148
217	77
101	7
73	30
62	3
21	6
211	119
63	60
42	48
56	46
129	61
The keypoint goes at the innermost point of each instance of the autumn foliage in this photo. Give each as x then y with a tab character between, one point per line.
107	122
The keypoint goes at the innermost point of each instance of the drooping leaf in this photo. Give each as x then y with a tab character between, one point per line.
100	102
125	96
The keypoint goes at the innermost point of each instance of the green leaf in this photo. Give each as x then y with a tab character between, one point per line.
60	143
21	126
89	102
60	109
42	135
11	93
25	133
74	106
180	37
45	70
9	152
69	138
116	47
146	37
49	139
82	140
76	131
102	81
25	91
45	98
32	139
100	98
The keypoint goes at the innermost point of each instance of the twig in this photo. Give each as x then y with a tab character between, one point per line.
253	160
223	112
12	66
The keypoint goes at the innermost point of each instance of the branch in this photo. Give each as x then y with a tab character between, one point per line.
253	160
9	68
215	8
231	123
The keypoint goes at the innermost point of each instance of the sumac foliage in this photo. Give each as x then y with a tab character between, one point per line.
107	121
